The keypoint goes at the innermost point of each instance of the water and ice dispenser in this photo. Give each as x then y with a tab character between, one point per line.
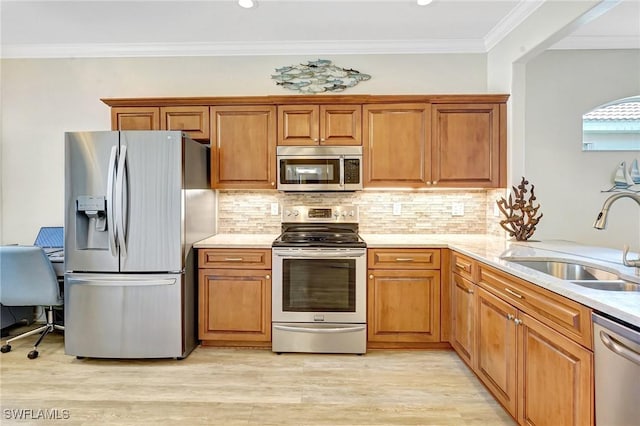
91	222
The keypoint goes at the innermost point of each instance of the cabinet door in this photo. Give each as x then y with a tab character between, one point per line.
135	118
403	306
243	147
554	376
463	324
396	145
193	120
298	125
340	125
496	347
234	305
466	145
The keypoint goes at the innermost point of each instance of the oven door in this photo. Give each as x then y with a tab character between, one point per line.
321	285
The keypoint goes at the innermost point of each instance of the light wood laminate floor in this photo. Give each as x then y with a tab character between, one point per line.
244	387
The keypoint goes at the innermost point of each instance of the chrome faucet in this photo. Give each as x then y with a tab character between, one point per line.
601	222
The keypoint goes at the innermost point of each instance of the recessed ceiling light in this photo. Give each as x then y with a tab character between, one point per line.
424	2
247	4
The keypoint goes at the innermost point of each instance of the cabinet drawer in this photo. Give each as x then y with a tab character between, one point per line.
561	314
464	266
403	258
235	258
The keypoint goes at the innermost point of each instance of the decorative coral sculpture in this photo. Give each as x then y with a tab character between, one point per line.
520	215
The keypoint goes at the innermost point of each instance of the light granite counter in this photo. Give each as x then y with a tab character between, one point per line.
623	305
237	241
490	250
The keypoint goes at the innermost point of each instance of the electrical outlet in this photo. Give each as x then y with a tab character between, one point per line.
397	209
275	209
457	209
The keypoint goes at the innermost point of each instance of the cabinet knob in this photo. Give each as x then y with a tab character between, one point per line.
517	321
370	277
469	291
273	184
435	182
510	317
268	277
428	182
322	139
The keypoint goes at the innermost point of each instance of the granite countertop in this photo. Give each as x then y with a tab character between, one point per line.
624	305
237	241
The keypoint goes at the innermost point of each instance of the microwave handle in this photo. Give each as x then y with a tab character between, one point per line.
342	171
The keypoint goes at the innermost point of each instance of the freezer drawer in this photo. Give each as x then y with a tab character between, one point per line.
126	316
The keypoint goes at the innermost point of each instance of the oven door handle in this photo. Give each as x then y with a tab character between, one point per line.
332	330
319	254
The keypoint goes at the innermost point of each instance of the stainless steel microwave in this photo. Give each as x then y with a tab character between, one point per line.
319	168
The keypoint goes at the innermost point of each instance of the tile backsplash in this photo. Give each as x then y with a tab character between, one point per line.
428	212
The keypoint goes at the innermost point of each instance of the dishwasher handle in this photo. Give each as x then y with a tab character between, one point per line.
619	348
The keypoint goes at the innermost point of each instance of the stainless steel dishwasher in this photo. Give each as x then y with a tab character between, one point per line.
617	372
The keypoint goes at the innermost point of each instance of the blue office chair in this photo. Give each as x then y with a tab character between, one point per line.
27	278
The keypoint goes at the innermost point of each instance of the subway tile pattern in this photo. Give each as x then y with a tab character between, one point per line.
429	212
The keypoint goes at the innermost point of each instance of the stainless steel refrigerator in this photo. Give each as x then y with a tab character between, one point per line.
135	202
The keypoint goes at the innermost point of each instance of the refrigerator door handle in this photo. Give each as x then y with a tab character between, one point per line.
121	202
111	229
111	282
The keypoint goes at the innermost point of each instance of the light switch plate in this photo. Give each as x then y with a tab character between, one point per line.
275	209
397	209
457	209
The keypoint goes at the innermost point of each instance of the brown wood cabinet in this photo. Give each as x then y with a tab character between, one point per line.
234	297
193	120
319	124
529	346
403	298
135	118
463	310
533	350
243	148
468	146
409	141
396	149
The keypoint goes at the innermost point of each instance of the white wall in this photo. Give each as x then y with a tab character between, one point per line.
41	99
561	86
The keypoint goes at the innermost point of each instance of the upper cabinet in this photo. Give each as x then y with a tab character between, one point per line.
319	125
467	145
409	141
193	120
243	147
396	146
135	118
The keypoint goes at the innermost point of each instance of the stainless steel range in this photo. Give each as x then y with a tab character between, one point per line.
319	282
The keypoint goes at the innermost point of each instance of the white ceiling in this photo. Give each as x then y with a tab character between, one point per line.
175	28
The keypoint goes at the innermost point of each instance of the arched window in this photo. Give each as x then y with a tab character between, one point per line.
614	126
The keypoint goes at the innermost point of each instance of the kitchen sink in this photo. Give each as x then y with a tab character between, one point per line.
567	270
580	274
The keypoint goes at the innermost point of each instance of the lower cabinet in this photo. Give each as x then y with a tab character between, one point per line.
537	367
234	297
403	298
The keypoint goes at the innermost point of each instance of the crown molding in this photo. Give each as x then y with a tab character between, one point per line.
332	47
512	20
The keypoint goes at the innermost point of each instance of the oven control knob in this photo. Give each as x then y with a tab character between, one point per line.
352	213
336	214
295	213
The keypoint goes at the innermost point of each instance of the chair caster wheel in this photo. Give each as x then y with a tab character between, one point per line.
32	355
5	349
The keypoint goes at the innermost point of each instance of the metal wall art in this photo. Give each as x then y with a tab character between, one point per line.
317	77
521	216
